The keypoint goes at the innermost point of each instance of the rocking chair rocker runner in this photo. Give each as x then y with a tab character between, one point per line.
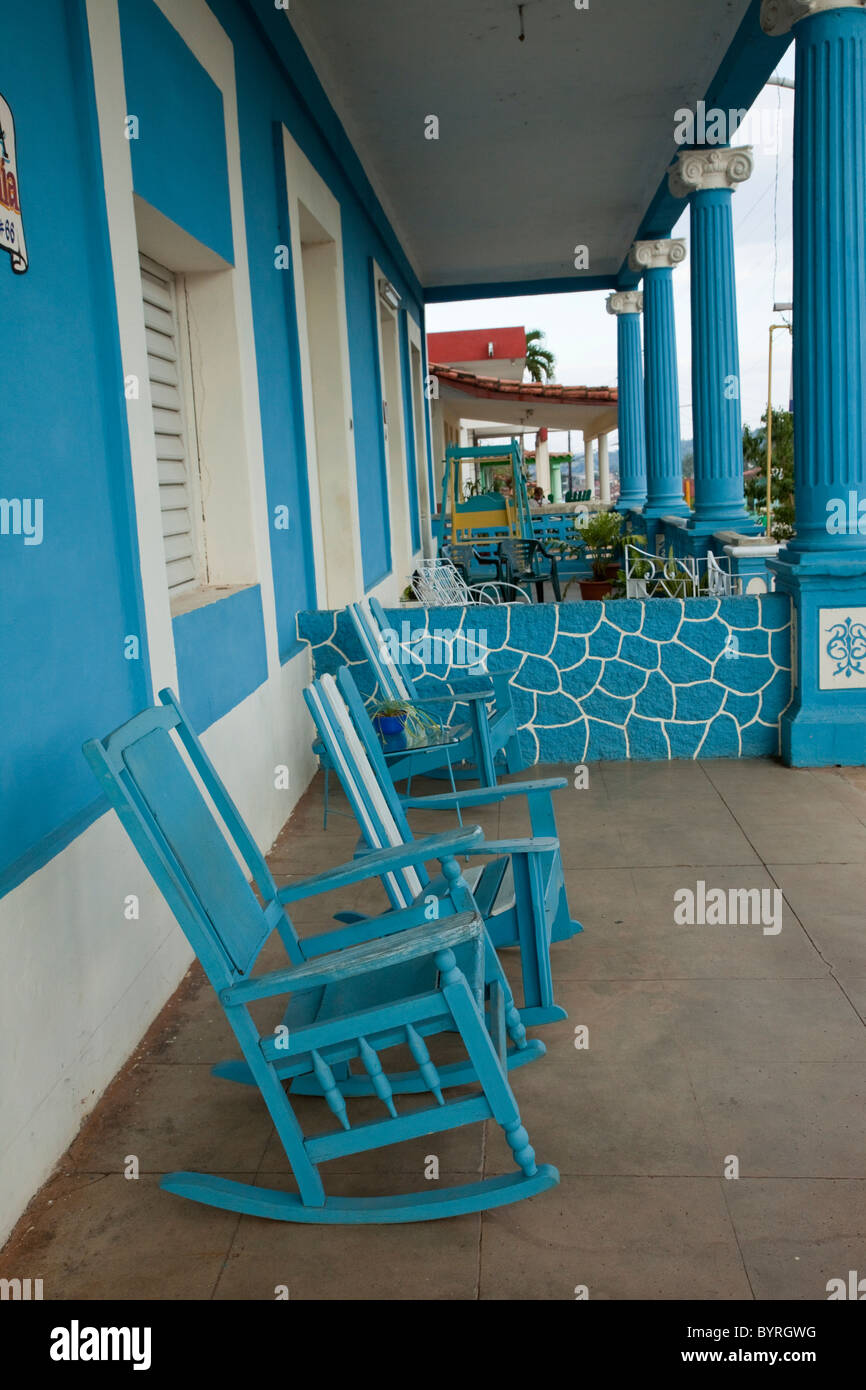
353	993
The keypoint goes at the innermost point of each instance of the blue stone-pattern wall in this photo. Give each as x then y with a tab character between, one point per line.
660	678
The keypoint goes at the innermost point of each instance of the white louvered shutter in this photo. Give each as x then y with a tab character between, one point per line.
177	494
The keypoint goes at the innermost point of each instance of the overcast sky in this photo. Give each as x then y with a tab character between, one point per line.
582	335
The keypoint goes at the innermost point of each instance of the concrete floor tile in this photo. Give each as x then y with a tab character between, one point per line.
619	1238
95	1237
192	1029
429	1260
630	933
831	838
625	1021
765	1021
171	1117
828	900
589	1117
854	987
785	1120
301	856
795	1234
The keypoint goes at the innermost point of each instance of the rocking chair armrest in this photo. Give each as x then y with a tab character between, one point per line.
467	683
382	953
465	698
547	844
482	796
383	861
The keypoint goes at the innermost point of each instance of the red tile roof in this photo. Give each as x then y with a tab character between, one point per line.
494	388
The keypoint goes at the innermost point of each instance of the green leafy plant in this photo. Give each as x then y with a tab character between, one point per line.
540	361
601	535
416	723
781	471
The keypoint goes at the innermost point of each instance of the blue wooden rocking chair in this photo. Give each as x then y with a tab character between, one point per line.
491	734
519	891
394	981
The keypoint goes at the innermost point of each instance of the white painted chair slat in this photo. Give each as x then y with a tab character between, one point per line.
353	790
362	771
379	655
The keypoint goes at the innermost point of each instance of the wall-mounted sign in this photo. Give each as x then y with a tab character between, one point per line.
11	222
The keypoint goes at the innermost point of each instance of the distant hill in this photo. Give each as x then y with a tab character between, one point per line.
686	447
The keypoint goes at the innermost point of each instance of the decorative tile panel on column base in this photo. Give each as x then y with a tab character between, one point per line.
842	648
826	722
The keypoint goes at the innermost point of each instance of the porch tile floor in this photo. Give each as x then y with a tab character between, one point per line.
707	1045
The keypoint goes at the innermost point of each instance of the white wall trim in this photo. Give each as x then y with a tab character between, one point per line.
426	505
107	57
207	41
399	505
305	186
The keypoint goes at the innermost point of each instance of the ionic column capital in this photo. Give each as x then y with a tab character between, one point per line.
696	171
779	16
625	302
657	255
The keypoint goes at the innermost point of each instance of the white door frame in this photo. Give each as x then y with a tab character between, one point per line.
335	520
422	458
392	425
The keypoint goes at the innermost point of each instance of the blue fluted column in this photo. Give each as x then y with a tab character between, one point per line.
627	307
707	178
664	470
823	569
829	265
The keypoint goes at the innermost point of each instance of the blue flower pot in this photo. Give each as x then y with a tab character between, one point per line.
389	724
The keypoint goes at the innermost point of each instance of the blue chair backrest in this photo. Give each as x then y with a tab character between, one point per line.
370	623
190	856
360	766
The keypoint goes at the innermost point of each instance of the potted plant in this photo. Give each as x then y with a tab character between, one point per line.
400	723
601	537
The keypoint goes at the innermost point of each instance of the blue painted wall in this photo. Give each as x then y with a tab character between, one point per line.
66	604
70	603
277	85
221	655
650	679
179	158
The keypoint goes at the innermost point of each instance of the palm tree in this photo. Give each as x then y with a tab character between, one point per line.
540	361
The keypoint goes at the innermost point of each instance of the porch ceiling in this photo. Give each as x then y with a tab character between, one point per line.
559	140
